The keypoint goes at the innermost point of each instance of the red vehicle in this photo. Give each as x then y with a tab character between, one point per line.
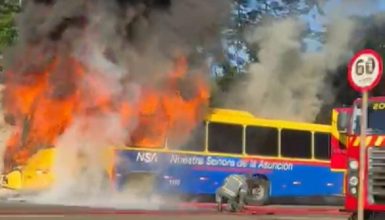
347	122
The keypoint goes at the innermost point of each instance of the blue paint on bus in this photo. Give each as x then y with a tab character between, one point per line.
203	174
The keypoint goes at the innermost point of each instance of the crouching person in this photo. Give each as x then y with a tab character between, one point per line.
234	190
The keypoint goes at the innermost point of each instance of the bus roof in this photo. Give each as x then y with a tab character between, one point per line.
230	116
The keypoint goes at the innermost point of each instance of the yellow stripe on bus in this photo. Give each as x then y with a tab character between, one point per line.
356	142
379	141
367	141
339	170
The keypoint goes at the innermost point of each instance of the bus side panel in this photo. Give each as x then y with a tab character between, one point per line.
198	174
306	180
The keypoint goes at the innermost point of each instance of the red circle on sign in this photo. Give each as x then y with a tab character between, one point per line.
350	69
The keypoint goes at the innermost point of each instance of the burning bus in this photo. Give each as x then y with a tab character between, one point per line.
166	141
163	135
117	73
70	118
282	159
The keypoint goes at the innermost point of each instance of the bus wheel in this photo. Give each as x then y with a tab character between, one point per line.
258	192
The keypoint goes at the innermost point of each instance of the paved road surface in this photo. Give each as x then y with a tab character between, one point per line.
208	217
17	210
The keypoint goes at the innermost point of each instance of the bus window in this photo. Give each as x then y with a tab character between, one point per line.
261	141
193	142
322	146
296	143
225	138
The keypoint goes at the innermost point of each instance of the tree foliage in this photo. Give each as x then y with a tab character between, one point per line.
8	31
249	13
245	15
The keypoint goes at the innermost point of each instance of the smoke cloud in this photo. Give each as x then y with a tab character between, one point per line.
287	82
123	31
123	46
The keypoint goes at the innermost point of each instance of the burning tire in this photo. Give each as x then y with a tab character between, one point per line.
258	192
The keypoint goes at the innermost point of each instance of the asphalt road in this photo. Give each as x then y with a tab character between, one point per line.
164	217
208	217
19	210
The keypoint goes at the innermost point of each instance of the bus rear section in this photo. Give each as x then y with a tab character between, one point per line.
286	161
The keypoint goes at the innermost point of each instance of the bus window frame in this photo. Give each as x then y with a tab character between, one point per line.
162	147
311	143
242	153
206	136
244	139
278	129
204	148
329	144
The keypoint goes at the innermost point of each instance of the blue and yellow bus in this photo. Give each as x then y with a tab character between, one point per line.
284	159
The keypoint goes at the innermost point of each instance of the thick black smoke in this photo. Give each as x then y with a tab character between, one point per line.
141	36
128	48
369	35
287	82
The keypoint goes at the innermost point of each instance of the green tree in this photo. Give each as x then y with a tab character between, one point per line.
8	31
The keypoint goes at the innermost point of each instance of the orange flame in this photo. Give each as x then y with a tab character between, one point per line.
43	110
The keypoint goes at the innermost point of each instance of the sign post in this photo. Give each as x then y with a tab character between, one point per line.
365	71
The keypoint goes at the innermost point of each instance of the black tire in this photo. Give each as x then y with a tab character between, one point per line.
258	194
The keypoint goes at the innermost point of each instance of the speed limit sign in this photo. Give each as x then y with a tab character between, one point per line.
365	70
